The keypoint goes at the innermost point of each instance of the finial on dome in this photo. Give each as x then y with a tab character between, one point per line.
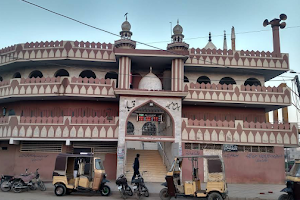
209	37
177	21
126	15
150	69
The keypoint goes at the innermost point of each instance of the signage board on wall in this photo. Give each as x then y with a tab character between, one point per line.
230	147
149	117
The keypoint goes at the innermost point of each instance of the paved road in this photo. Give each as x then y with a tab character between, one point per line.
236	191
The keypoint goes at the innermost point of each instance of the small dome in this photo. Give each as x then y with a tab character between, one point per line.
210	45
126	26
177	29
150	82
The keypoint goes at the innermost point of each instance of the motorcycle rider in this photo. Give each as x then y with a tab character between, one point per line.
136	167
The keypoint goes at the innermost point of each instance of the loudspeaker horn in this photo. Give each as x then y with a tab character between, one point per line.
266	23
283	17
282	25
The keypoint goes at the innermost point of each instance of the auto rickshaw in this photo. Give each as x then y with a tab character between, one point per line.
216	187
292	189
82	173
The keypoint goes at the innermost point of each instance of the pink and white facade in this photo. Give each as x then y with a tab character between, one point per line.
69	96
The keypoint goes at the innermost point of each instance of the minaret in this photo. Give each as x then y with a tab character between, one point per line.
232	39
225	42
177	39
125	42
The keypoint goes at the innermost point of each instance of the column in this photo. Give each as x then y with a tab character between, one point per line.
285	115
275	116
124	73
177	75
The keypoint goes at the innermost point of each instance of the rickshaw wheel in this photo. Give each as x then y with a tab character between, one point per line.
284	197
163	194
60	190
105	191
215	196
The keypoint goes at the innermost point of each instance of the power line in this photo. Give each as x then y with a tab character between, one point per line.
172	52
221	35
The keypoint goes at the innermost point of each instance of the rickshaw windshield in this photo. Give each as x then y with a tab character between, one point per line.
98	164
295	171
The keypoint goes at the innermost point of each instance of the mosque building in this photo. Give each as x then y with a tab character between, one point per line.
115	101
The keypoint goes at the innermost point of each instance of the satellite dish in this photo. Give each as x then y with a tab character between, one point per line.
283	17
282	25
266	23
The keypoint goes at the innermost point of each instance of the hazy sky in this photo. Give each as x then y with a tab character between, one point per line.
21	22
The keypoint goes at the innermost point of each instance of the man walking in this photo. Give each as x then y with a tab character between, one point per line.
136	166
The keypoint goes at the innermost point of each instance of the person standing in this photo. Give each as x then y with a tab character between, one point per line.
136	167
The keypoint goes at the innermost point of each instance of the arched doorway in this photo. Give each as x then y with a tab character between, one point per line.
88	74
61	72
112	75
252	81
227	81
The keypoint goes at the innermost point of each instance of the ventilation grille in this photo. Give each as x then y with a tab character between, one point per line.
50	147
98	147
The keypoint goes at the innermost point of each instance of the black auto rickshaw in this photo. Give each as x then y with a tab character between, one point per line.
292	189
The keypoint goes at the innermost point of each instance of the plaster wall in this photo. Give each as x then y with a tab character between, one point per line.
223	113
216	77
15	162
245	167
68	108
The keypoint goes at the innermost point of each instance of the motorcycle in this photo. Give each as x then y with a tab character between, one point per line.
123	186
28	181
6	182
139	186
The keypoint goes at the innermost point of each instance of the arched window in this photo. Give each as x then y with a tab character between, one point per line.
35	74
17	75
130	128
203	79
88	74
149	128
112	75
227	81
61	72
186	80
1	79
11	112
252	81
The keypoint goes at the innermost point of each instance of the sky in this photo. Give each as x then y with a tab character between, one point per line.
150	23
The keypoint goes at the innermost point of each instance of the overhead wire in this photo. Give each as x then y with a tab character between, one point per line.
172	52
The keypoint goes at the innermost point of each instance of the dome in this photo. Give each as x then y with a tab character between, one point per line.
126	26
210	45
177	29
150	82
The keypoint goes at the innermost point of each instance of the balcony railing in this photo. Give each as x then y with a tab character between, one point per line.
246	59
59	127
60	86
238	94
57	50
240	132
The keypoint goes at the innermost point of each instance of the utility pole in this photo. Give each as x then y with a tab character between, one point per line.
298	85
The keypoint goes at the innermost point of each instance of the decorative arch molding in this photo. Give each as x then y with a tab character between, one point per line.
129	104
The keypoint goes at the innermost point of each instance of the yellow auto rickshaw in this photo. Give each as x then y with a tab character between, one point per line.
79	173
292	189
216	187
